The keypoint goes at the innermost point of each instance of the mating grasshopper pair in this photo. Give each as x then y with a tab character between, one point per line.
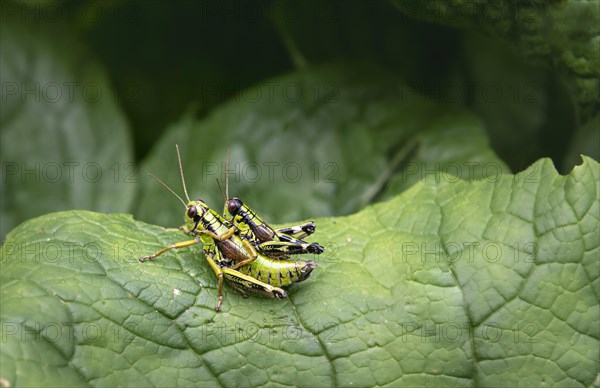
244	249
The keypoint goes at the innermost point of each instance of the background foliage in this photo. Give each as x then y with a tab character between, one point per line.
99	83
327	107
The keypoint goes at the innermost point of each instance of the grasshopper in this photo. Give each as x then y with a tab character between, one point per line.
274	243
230	256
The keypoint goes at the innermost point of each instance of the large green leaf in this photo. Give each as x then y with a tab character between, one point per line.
451	283
325	140
63	140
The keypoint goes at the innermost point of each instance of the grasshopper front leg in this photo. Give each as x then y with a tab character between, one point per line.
182	244
210	254
185	230
218	237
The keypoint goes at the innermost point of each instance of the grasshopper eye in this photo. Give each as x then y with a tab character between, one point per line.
234	205
192	212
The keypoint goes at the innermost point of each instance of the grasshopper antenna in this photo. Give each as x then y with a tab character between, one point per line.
181	172
227	176
168	188
221	189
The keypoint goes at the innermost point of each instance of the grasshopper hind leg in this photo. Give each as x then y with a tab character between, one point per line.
244	284
239	289
283	248
299	231
276	293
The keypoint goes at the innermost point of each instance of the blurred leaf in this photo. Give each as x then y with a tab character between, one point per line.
586	141
163	56
318	142
64	142
564	34
525	108
513	99
448	284
319	32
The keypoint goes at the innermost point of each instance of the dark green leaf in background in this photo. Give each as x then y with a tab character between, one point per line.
164	55
322	141
64	141
451	283
564	33
526	95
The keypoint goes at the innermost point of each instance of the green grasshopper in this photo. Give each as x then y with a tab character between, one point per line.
277	244
230	256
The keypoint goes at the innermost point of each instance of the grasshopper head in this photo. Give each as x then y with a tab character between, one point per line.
195	213
233	205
